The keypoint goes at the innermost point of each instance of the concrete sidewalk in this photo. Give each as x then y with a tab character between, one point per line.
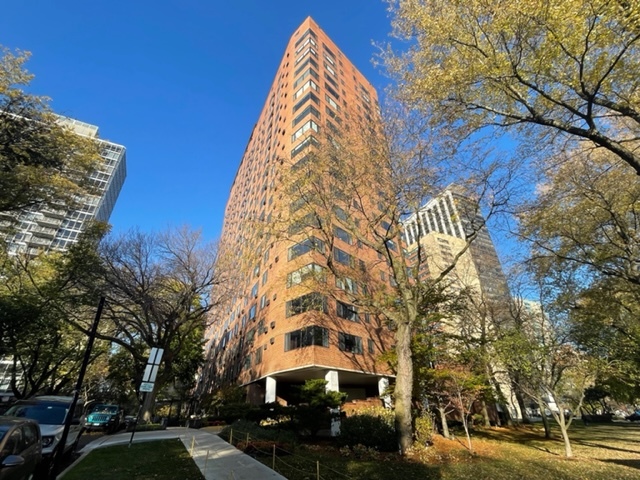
221	461
215	458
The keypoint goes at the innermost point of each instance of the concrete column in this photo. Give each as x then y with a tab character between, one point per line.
270	393
383	385
333	385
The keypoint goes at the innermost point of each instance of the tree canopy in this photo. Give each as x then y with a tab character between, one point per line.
545	68
42	161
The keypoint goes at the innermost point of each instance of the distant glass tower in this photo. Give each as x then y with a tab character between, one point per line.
44	229
442	226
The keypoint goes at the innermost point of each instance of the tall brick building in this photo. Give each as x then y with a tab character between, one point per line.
287	317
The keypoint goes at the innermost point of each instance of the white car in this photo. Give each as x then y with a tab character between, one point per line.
50	412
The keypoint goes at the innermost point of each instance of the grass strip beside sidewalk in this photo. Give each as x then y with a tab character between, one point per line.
158	460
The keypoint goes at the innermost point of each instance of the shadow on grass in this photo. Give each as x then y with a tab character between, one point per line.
626	463
606	447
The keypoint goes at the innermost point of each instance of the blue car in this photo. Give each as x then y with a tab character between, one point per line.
107	418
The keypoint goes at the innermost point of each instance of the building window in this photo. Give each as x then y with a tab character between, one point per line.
310	125
308	61
305	99
258	356
252	312
304	35
265	277
305	303
342	257
306	246
371	346
342	234
305	337
309	110
310	220
309	85
340	213
310	72
309	41
297	204
309	50
331	102
349	343
263	301
308	271
307	142
254	291
347	284
346	311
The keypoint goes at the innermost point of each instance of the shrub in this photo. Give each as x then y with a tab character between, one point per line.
310	420
237	411
147	427
256	433
368	430
424	430
477	419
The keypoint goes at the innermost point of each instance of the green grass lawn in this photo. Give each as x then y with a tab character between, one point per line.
158	460
601	452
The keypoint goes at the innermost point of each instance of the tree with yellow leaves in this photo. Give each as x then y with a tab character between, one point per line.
550	71
42	162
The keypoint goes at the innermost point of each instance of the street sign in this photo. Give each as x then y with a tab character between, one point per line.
146	387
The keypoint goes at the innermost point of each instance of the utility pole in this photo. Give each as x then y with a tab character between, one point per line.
83	368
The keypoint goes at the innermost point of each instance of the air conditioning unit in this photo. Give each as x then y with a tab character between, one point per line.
272	324
272	340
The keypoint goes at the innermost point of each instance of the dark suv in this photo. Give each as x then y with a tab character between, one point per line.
104	417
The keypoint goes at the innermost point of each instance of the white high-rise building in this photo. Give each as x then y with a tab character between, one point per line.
42	228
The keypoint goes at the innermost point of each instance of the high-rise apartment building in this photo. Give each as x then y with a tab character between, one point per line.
442	226
277	328
41	229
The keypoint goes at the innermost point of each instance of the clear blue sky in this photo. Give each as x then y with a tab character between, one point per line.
180	83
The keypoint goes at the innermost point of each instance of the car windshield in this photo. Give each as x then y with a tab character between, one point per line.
105	409
43	414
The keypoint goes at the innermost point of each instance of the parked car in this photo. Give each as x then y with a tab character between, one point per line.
50	412
130	421
634	417
20	448
108	418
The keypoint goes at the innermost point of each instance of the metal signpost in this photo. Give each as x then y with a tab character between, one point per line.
148	382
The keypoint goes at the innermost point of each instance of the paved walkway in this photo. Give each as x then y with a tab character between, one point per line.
215	458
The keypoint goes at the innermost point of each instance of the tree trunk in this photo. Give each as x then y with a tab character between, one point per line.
520	399
485	414
404	387
545	420
567	443
443	422
465	424
561	421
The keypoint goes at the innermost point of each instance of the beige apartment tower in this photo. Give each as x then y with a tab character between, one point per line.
276	328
